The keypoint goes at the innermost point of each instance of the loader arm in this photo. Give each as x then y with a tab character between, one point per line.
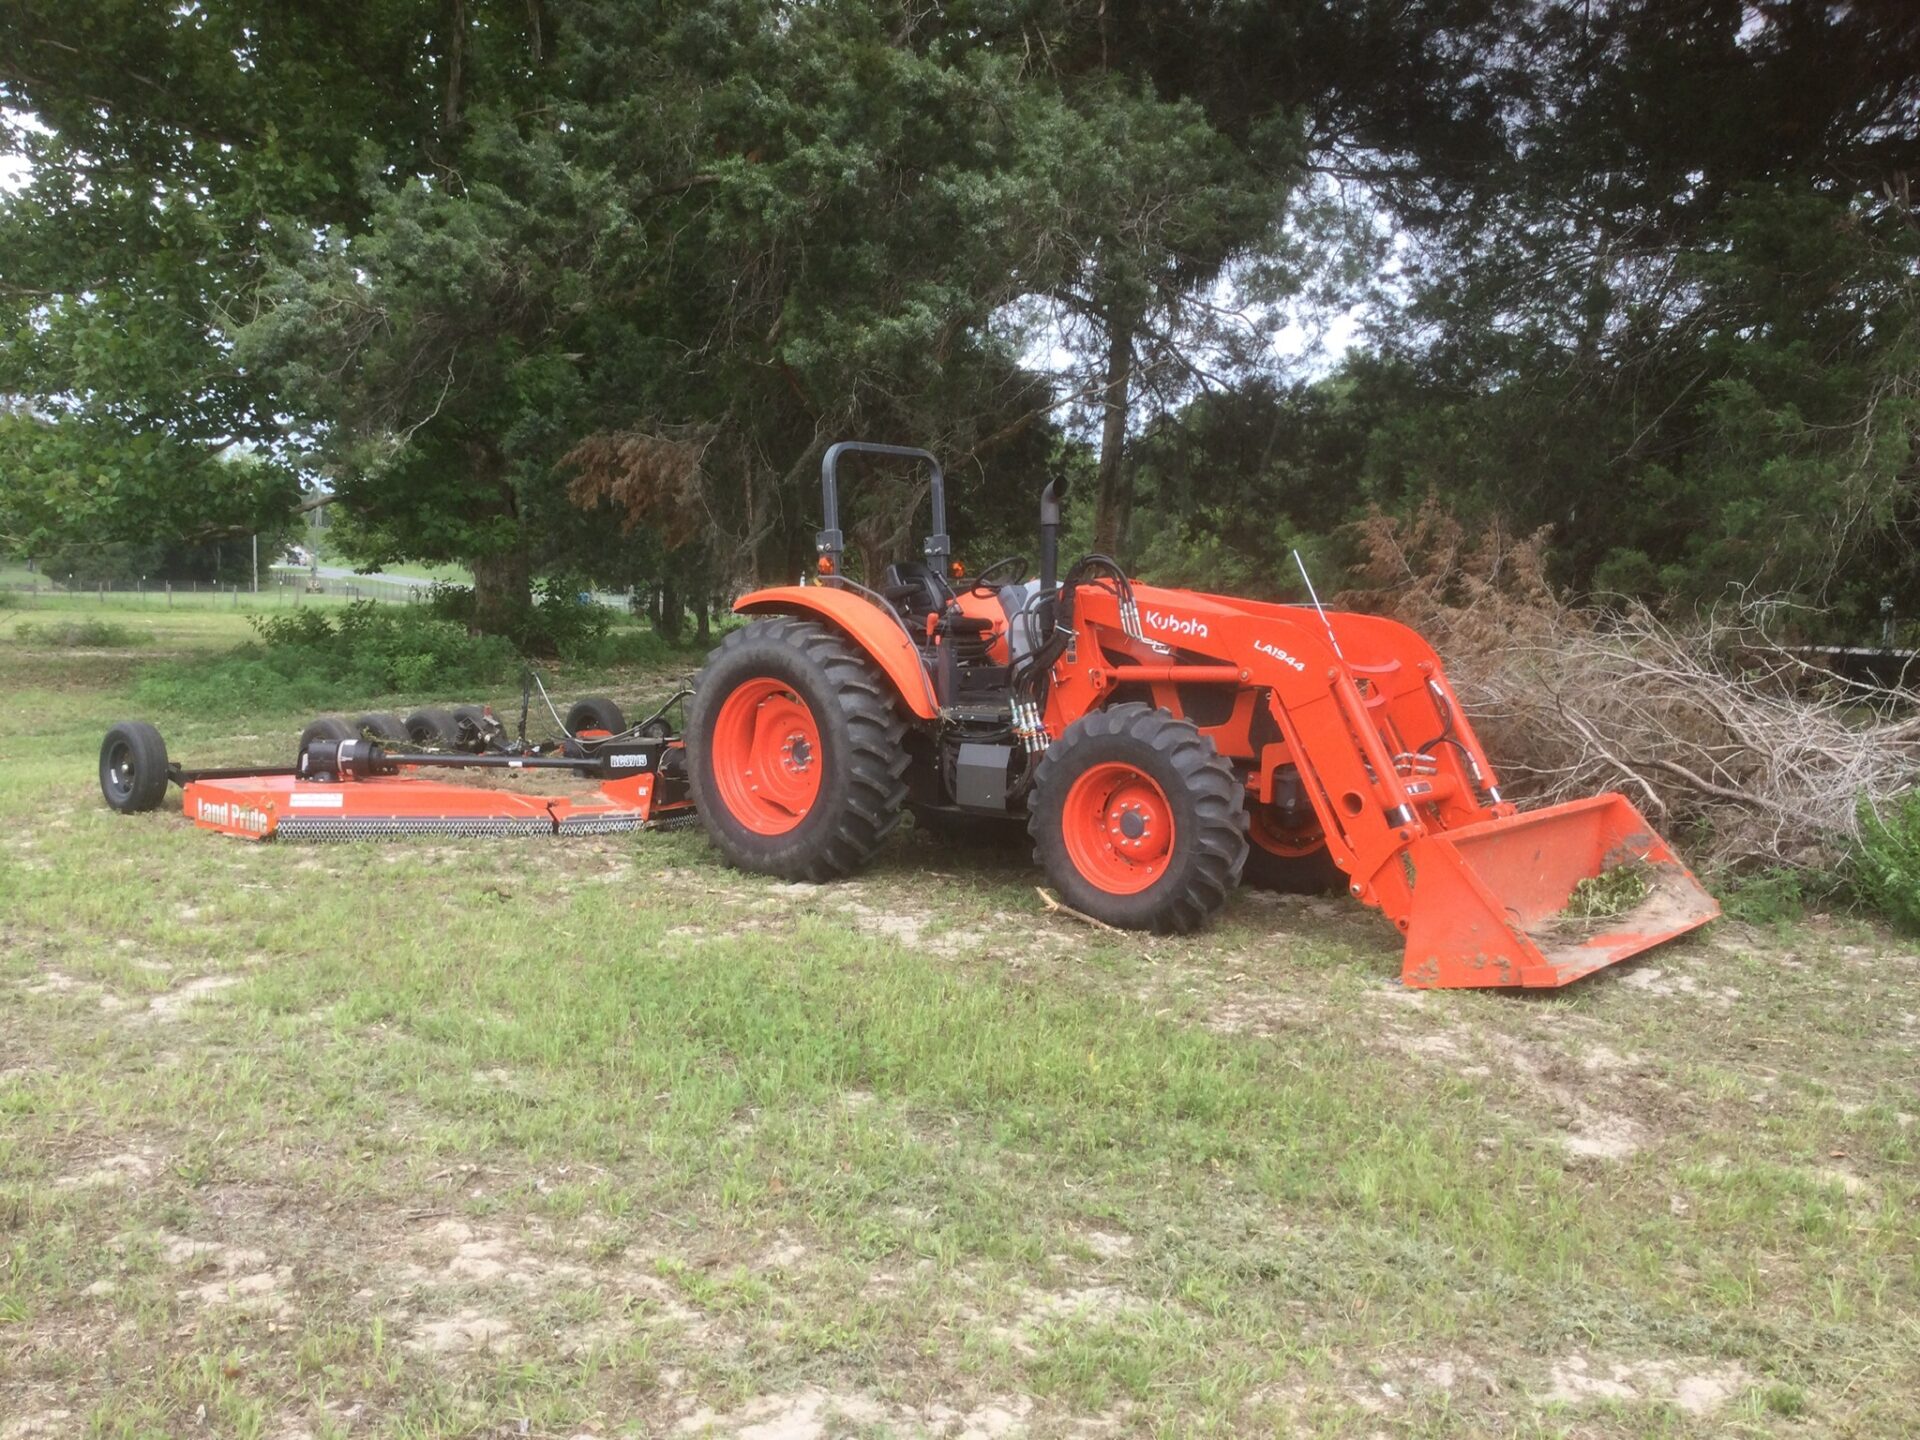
1406	798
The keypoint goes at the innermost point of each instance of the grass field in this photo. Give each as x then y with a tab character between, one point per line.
596	1137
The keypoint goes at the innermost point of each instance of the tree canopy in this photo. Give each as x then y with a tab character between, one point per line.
586	287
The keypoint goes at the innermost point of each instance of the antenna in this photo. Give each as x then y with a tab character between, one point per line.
1314	595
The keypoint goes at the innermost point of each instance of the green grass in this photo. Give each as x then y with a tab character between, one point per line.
596	1136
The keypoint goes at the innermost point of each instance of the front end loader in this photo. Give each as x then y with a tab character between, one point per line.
1163	747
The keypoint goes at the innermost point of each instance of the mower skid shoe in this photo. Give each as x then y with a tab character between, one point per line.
1487	901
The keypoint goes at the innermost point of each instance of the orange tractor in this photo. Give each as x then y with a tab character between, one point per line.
1163	745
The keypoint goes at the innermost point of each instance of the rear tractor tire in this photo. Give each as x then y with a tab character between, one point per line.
1138	821
133	767
795	743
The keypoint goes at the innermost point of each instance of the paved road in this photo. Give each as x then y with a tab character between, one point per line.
343	572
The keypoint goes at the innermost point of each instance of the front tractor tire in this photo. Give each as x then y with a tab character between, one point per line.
795	743
1138	821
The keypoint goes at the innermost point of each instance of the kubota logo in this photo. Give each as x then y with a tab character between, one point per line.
1279	654
1174	625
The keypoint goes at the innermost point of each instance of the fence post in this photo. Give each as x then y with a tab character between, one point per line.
169	594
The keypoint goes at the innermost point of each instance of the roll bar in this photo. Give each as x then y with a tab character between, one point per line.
830	542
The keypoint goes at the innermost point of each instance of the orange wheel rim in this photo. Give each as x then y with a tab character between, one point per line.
766	756
1118	828
1276	839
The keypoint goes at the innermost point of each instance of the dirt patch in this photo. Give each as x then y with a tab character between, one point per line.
1696	1387
259	1293
1587	1130
185	1253
1107	1245
128	1168
816	1414
467	1332
783	1254
489	1258
174	1003
909	929
46	1423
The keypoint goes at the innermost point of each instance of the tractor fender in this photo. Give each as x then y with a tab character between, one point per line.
874	630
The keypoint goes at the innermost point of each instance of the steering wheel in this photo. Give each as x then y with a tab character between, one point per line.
1014	565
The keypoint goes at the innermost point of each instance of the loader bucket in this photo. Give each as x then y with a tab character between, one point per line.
1489	901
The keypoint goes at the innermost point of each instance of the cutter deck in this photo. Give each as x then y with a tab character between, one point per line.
262	807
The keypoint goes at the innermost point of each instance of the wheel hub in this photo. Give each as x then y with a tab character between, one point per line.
1118	827
765	746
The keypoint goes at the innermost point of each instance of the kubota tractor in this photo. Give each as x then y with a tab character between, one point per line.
1163	745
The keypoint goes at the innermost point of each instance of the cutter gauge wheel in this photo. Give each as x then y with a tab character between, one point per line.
133	767
334	728
384	726
433	728
795	749
1138	820
595	712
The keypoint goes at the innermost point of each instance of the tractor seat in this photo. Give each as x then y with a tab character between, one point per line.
915	589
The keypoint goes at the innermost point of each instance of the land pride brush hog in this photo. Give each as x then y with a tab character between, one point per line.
1162	746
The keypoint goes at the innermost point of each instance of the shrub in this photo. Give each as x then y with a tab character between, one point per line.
79	635
1885	869
318	659
563	619
1777	895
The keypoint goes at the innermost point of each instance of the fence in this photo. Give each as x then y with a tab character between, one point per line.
278	588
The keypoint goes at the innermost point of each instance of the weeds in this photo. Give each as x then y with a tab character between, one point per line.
1886	863
1612	892
78	635
309	658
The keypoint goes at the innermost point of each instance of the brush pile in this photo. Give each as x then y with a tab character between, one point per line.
1752	756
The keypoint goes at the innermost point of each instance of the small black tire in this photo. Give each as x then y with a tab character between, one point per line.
860	796
1205	819
328	727
595	712
382	726
432	728
133	767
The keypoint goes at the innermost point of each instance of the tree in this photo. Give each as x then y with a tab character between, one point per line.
1675	313
167	139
